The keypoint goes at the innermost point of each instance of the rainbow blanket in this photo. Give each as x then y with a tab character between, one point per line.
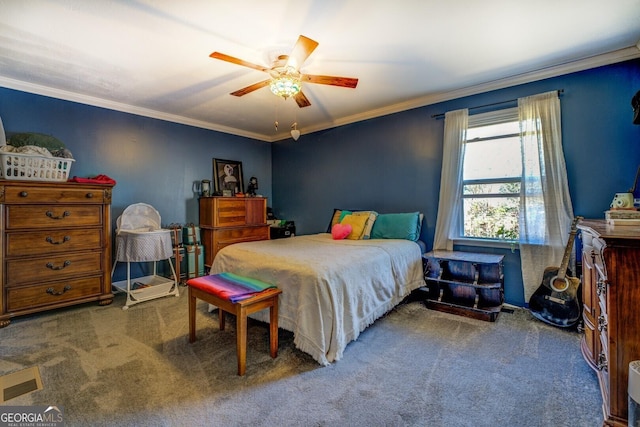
229	286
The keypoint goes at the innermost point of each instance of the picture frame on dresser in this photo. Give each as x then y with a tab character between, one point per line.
227	176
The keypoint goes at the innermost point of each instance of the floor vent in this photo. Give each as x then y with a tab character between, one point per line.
19	383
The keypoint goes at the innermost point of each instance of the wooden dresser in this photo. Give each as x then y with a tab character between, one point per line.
611	315
56	246
228	220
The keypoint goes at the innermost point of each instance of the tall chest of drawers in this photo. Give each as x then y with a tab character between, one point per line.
228	220
55	246
611	298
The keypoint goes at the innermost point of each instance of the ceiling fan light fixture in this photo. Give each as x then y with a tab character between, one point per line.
286	84
285	77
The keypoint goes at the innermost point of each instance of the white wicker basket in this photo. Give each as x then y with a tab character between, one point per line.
33	167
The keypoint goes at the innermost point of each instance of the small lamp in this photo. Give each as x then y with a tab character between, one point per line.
295	133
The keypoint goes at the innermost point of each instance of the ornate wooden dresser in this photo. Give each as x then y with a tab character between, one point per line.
611	311
55	246
228	220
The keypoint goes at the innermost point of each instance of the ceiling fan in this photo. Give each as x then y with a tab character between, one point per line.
286	79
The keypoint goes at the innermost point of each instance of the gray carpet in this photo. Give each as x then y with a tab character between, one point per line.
413	367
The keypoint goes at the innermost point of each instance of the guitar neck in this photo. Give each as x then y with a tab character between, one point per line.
562	271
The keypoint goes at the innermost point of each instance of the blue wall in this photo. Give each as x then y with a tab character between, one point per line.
153	161
392	163
389	164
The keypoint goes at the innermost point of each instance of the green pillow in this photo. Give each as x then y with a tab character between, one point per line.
397	226
343	214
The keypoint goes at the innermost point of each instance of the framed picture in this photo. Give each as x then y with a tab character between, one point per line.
227	177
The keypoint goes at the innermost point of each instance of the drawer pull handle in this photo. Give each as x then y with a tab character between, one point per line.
602	323
601	287
602	362
52	291
52	267
64	214
23	194
50	240
89	195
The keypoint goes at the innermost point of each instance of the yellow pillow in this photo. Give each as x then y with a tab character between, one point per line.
337	215
358	224
371	216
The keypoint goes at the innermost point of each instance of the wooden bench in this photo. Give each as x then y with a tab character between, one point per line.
259	301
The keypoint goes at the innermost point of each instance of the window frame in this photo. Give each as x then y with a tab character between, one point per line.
478	120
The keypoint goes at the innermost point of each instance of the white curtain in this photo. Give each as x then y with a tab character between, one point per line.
546	212
3	137
455	135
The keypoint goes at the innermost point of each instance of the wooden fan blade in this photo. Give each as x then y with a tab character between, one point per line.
251	88
301	100
233	60
331	80
301	51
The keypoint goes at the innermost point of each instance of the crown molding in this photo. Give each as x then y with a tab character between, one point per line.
608	58
122	107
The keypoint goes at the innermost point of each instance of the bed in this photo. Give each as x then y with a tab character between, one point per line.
331	289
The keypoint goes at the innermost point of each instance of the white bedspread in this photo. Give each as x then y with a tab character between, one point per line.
331	289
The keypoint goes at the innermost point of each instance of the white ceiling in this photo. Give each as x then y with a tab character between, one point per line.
151	57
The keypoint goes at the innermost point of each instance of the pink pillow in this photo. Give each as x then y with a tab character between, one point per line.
340	231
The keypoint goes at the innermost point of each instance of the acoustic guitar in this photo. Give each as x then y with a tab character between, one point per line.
556	299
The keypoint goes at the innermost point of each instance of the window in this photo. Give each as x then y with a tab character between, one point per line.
492	172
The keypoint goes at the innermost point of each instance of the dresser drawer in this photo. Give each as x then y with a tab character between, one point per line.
52	194
598	247
52	241
52	216
55	267
244	234
591	340
52	293
230	212
226	237
589	290
602	300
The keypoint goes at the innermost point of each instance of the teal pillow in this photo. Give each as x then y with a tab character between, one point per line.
397	226
343	214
